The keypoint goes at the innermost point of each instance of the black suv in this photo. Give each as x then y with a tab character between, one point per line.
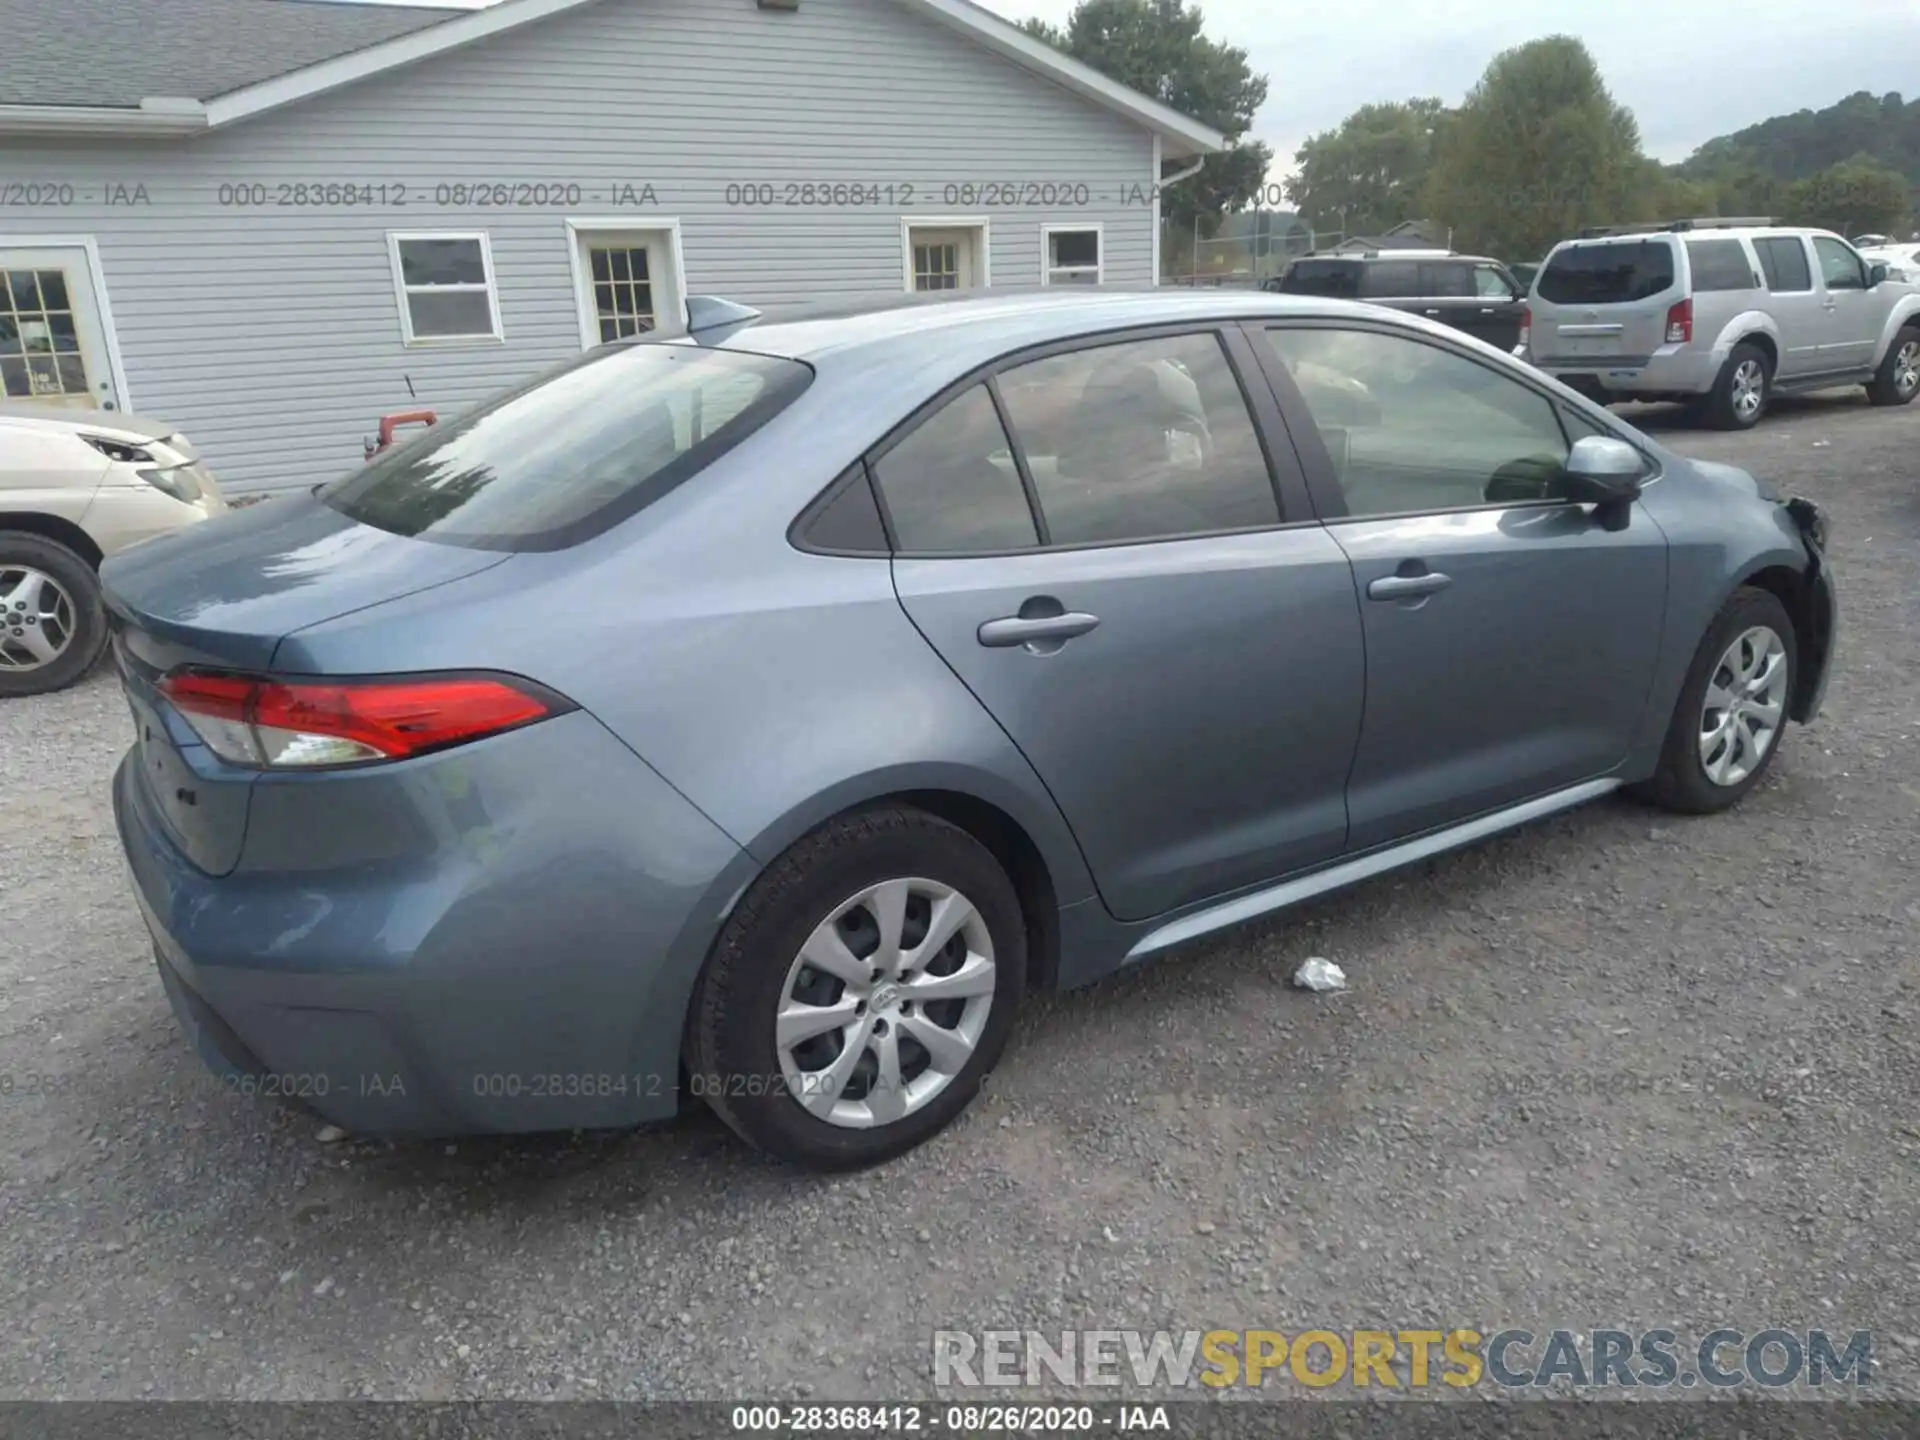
1468	292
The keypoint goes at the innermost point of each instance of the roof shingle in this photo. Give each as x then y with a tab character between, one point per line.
119	52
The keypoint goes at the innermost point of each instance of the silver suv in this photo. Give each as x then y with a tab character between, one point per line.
1721	314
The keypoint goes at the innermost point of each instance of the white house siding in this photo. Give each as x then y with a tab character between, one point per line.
272	337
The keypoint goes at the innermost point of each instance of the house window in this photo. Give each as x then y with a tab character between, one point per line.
39	342
622	290
446	288
936	266
1070	255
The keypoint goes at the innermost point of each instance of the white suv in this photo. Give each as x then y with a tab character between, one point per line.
1721	314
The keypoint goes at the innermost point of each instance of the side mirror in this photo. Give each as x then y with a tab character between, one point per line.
1603	471
1876	273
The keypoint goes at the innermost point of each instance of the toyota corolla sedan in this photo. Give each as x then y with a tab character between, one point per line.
757	717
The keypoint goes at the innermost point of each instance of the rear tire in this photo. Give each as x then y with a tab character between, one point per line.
1727	696
50	598
775	1086
1898	379
1741	391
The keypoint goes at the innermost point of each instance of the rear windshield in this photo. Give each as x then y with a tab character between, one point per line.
1337	278
1614	272
578	449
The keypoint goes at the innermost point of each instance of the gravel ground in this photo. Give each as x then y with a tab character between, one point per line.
1618	1069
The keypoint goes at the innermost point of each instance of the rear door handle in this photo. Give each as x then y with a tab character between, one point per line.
1011	630
1407	587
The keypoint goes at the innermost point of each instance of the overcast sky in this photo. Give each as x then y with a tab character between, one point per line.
1690	70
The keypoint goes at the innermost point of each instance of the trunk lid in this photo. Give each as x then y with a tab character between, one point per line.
223	595
1604	301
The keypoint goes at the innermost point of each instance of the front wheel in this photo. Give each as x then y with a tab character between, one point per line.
861	991
1898	379
53	621
1732	711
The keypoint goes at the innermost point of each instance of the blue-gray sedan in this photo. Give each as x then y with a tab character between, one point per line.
757	716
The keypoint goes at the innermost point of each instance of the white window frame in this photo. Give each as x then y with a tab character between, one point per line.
1065	227
401	290
669	310
983	252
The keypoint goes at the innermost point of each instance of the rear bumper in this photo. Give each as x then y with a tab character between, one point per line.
499	938
1671	370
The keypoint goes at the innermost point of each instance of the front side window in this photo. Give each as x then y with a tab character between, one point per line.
952	486
1413	428
575	451
1783	260
1839	266
1142	440
1490	284
446	288
1072	256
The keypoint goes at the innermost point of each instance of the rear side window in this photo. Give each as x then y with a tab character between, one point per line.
1720	265
1447	279
1337	279
1142	440
1613	272
577	450
1391	280
952	486
1783	260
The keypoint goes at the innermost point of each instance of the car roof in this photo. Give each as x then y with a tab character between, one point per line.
915	326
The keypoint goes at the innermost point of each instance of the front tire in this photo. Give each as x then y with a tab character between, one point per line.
53	621
1741	391
1732	712
1898	379
861	991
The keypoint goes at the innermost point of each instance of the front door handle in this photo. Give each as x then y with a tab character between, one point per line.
1047	630
1407	587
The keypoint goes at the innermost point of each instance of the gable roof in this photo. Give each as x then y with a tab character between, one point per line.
118	52
192	65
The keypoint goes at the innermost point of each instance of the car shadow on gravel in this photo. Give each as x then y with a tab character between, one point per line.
1677	421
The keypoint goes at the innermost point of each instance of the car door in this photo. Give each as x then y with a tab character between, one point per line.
1851	314
1511	634
1092	540
1497	300
1793	302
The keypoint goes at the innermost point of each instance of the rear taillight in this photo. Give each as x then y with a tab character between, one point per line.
1680	323
1526	327
299	724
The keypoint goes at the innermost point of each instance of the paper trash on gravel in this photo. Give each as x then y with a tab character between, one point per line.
1319	975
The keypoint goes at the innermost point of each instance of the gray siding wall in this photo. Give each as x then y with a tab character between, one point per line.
272	336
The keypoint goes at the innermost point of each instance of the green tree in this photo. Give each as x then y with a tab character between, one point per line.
1852	197
1157	48
1539	149
1370	173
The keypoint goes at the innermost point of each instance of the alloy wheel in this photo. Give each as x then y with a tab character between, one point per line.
1906	368
1745	705
36	618
885	1003
1749	388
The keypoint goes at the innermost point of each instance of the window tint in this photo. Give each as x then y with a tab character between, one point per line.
849	520
1449	279
1390	280
1614	272
1783	260
1414	428
1339	279
579	448
1719	265
1490	284
1839	266
1144	439
951	486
